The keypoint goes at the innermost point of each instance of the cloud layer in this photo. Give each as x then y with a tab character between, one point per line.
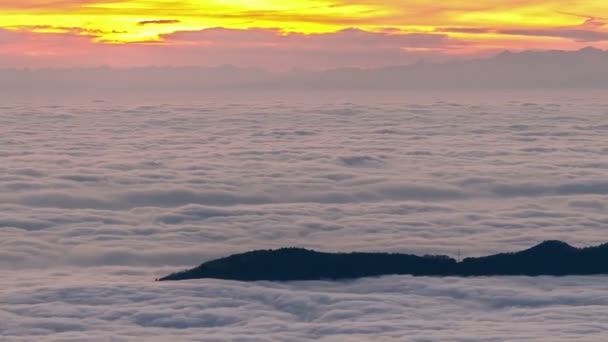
99	197
125	306
104	183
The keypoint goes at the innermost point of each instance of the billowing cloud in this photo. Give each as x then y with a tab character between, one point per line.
207	179
126	305
99	196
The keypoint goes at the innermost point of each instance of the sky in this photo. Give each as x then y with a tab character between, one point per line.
272	34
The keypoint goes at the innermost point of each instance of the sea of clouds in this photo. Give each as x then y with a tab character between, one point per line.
99	197
115	305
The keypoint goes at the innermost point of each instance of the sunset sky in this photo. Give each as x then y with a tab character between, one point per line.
285	34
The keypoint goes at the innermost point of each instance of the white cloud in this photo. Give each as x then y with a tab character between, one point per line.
95	195
128	306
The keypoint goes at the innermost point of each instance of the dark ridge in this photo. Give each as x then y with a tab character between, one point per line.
554	258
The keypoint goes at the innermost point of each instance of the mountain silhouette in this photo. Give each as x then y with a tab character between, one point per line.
585	69
554	258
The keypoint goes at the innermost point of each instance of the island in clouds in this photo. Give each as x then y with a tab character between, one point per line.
553	258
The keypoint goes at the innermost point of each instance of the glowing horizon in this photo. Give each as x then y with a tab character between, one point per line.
463	28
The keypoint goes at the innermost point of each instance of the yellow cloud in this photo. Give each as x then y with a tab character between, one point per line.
118	21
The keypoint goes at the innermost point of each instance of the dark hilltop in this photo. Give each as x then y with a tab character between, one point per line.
553	258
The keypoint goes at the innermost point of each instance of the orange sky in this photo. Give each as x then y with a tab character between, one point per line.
174	32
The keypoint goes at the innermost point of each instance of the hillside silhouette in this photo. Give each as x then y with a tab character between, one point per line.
554	258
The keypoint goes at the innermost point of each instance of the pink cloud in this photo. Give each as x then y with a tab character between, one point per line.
353	38
351	47
254	47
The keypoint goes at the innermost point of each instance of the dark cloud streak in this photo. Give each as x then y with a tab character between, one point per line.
159	22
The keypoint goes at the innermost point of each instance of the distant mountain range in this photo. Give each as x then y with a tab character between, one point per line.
586	68
554	258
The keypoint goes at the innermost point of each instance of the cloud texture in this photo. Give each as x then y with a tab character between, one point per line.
99	197
124	306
